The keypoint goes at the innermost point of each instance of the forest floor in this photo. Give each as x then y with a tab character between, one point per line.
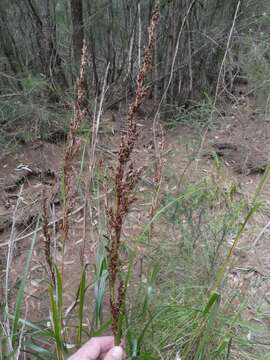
240	136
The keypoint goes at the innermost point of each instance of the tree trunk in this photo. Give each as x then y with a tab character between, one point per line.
77	23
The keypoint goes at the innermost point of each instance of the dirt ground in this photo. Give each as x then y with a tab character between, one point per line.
241	137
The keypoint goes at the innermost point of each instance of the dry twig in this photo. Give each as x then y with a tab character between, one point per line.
73	143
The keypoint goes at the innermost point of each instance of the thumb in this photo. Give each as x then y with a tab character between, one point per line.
116	353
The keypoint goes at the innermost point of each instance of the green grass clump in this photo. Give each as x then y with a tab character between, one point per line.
196	116
188	314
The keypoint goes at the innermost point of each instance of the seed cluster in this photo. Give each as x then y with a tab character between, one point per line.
125	179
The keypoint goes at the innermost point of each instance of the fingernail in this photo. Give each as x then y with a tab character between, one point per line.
117	353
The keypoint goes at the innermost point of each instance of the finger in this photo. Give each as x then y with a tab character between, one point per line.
94	348
104	343
116	353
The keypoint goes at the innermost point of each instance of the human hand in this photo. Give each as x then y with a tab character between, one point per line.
99	348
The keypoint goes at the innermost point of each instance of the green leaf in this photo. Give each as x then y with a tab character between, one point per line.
20	295
56	299
39	351
82	290
103	329
213	299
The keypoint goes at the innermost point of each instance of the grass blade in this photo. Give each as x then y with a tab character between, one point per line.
20	295
56	299
82	290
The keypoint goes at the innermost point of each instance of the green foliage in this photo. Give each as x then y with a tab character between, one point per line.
14	330
56	299
186	317
23	119
82	290
20	295
101	275
34	85
196	116
204	219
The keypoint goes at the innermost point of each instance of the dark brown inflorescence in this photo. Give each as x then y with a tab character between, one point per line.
125	178
47	238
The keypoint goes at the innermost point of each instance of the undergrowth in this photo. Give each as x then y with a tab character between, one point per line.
254	60
32	120
196	115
